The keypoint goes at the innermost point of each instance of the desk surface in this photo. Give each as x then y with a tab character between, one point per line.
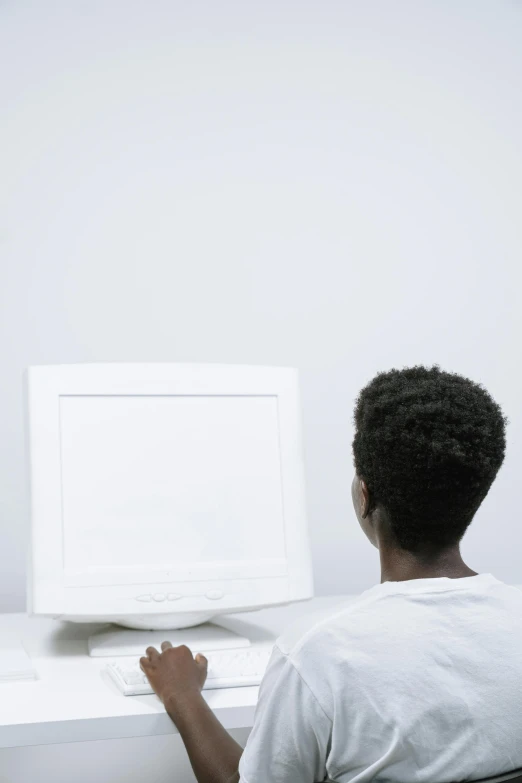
73	699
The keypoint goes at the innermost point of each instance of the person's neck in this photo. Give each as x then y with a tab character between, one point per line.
399	565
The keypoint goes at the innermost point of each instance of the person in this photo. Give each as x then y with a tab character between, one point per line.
419	678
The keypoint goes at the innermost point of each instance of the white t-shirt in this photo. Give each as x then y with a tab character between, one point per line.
413	682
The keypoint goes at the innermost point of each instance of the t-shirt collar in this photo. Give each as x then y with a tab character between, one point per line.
440	584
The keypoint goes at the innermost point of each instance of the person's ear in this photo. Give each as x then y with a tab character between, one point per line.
366	504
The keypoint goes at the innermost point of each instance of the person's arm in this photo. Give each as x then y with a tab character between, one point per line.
178	679
213	753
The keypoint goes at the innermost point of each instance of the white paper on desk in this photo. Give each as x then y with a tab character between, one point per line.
15	664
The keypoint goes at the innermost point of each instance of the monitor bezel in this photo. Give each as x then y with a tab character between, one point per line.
51	591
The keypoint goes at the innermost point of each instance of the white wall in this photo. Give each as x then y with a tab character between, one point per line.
334	185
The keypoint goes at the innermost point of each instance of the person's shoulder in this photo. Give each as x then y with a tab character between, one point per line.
320	632
507	598
511	592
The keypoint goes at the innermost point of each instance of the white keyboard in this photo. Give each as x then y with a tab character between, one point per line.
226	669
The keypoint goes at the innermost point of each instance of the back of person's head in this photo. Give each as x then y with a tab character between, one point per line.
428	444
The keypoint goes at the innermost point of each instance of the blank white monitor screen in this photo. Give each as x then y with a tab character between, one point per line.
160	480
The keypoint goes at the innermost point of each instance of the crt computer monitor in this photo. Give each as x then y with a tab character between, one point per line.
163	495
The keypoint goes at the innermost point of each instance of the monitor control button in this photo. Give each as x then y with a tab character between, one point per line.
146	598
174	596
159	596
214	595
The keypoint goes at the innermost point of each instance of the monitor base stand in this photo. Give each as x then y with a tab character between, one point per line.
114	642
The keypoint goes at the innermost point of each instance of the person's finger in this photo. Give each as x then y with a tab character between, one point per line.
201	661
151	653
144	663
165	646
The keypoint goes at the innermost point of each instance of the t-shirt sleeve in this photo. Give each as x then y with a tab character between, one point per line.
291	733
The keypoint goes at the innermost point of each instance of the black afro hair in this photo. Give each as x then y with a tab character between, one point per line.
428	444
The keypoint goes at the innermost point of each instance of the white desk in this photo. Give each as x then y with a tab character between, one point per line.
74	701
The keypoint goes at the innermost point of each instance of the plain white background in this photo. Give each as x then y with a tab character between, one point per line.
329	185
333	185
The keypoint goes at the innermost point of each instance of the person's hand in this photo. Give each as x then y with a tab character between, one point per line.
174	674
